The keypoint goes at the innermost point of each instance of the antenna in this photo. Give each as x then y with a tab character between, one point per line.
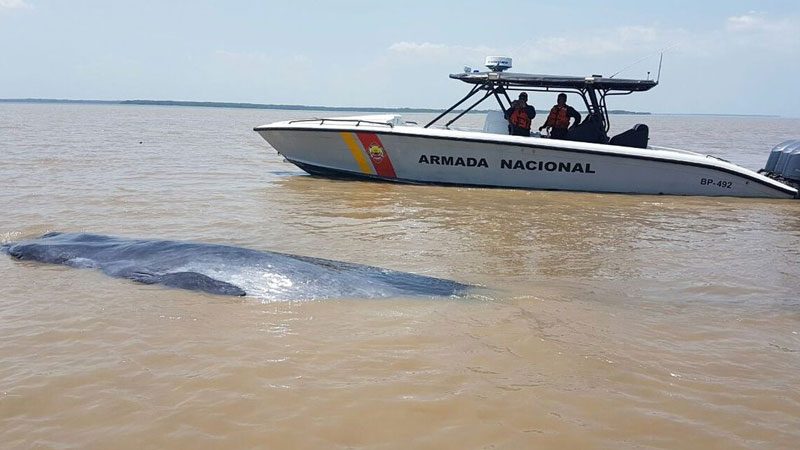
629	66
645	57
660	60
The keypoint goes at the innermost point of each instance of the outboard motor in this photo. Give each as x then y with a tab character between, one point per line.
783	163
792	169
787	152
775	154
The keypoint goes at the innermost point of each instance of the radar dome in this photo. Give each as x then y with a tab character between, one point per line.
498	63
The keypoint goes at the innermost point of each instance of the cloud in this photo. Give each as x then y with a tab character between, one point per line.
621	40
431	50
14	4
758	30
413	47
612	47
753	22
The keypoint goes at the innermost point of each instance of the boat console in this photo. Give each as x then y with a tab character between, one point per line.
635	137
591	130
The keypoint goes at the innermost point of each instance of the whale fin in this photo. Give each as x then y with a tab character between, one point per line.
141	277
189	280
199	282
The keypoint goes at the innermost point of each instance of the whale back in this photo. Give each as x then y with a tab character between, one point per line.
227	270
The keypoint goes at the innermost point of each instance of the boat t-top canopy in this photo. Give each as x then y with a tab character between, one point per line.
555	82
592	89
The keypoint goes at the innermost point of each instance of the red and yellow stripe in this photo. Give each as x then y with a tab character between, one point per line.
371	156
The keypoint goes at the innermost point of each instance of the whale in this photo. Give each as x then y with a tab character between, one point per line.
227	270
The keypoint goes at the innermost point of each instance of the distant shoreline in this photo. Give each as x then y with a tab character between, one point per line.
225	105
317	108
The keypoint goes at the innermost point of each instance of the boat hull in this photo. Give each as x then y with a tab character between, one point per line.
417	155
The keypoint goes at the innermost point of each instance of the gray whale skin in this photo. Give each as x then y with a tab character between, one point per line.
226	270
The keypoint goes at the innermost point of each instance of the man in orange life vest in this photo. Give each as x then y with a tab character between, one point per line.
558	120
520	115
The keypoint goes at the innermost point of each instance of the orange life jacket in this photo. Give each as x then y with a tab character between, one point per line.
520	118
559	117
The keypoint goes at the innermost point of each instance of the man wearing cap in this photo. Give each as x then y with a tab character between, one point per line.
520	115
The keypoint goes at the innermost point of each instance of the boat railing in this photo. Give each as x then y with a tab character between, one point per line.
358	122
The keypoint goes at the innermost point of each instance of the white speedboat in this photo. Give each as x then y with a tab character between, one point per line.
387	148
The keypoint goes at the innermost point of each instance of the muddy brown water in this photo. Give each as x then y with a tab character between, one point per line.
603	321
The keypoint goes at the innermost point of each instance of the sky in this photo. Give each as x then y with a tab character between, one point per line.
720	57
